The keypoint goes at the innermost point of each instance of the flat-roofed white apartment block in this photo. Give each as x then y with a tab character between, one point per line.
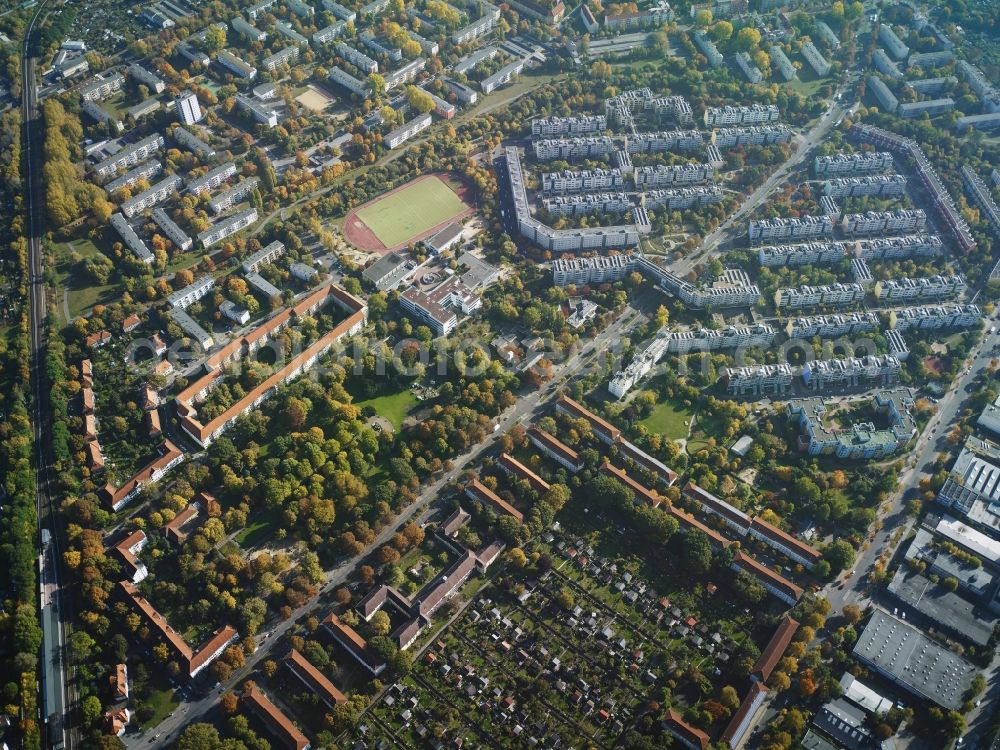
769	230
667	140
262	285
129	155
150	197
193	143
707	47
349	82
884	222
405	74
147	78
750	71
212	179
289	33
756	135
597	270
99	114
851	371
758	380
137	247
820	65
227	227
407	130
850	165
147	171
793	298
933	317
235	65
569	181
892	43
339	11
897	248
101	87
876	185
755	114
549	126
265	256
247	30
233	195
329	33
356	57
683	174
578	205
259	112
682	198
887	100
925	288
173	232
930	107
730	337
502	77
885	65
283	57
803	254
827	35
831	326
781	64
572	148
190	294
192	328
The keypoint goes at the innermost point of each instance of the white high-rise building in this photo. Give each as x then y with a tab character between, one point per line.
188	108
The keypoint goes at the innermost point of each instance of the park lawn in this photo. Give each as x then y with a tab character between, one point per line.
161	699
393	406
416	208
81	293
668	419
258	529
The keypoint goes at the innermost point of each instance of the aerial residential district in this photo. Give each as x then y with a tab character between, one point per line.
500	374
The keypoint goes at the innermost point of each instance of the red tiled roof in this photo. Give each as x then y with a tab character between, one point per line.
239	347
642	458
481	492
596	422
349	638
207	652
680	727
764	573
316	680
131	322
145	474
173	528
644	493
688	521
721	507
554	444
775	648
280	726
741	713
783	537
516	467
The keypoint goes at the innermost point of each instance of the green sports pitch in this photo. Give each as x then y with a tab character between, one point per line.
411	211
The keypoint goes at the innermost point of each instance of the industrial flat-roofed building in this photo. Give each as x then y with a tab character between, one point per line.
387	271
946	610
902	654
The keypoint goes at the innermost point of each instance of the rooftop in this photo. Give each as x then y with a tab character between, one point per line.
943	608
902	653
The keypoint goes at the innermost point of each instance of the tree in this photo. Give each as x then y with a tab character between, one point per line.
377	84
852	614
229	702
840	554
729	698
696	553
215	38
747	39
91	710
380	623
703	19
420	101
565	598
199	737
517	557
722	32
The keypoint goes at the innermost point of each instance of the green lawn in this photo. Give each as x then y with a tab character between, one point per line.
668	420
161	699
411	211
393	406
82	294
259	529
